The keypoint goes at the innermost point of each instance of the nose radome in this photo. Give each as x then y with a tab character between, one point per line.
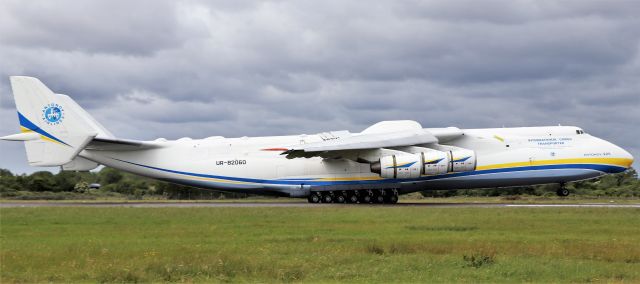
624	158
627	155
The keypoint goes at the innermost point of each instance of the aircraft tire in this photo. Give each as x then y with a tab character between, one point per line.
563	192
327	198
392	199
352	198
340	198
391	196
379	199
366	198
313	198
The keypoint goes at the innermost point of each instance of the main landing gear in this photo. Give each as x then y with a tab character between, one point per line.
314	198
562	191
364	196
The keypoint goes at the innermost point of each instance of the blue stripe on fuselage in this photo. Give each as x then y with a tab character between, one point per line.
596	167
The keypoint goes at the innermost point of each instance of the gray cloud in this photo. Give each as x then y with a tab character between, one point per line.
268	68
119	27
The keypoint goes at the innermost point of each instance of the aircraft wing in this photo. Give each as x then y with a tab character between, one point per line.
114	144
366	141
370	141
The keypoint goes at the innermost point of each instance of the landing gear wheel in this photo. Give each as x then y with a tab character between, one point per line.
562	192
327	198
314	198
366	197
378	198
352	198
340	198
393	198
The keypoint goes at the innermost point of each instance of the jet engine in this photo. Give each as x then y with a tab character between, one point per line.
462	160
435	162
423	161
398	166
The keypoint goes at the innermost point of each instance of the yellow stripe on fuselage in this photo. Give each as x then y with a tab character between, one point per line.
622	162
606	161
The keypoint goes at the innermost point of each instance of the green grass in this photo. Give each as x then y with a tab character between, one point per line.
523	199
410	198
323	244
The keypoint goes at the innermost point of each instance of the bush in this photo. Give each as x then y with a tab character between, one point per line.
81	187
479	259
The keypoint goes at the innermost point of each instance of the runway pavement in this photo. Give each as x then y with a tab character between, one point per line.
300	204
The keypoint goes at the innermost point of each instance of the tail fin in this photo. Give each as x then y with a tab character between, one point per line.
54	127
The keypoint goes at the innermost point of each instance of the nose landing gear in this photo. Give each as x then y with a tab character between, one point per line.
562	191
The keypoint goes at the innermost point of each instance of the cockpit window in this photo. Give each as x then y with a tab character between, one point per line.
578	131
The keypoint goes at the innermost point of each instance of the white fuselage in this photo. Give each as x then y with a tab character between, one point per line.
385	159
505	157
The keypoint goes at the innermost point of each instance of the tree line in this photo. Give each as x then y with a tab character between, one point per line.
118	184
625	184
113	183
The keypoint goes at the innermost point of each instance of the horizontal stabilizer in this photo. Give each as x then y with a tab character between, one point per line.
27	136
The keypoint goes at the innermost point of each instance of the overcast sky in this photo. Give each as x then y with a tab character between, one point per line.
149	69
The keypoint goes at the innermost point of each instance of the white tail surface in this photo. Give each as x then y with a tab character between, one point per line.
61	127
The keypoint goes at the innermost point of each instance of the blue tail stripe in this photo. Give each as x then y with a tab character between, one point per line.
26	123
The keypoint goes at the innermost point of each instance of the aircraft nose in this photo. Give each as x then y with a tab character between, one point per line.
622	154
623	159
627	155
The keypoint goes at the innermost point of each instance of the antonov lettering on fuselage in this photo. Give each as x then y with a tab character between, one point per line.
376	165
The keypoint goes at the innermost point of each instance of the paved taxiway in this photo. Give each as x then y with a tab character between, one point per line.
298	204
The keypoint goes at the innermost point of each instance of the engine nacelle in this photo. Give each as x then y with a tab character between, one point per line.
428	162
398	166
462	160
435	162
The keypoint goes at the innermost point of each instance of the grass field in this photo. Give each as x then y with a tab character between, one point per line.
410	198
323	244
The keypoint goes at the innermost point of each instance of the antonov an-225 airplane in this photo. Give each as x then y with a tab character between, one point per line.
373	166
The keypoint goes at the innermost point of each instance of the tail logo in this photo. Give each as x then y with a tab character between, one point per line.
52	114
